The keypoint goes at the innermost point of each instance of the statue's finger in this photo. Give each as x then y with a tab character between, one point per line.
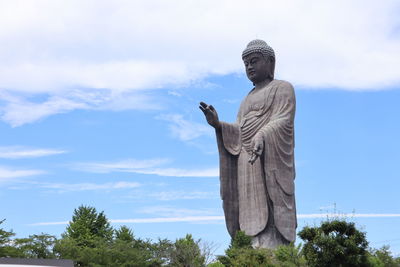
211	107
202	109
256	148
255	158
204	105
252	158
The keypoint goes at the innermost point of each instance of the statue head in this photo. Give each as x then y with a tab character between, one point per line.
259	61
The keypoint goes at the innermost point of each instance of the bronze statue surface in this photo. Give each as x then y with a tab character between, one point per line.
256	154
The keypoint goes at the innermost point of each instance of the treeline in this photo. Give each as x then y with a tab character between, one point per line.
90	240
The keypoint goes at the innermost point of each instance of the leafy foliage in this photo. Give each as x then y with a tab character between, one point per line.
241	241
36	246
383	258
335	243
87	225
290	256
161	252
186	253
124	234
215	264
6	246
241	253
90	240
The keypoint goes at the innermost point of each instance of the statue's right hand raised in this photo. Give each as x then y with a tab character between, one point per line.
211	115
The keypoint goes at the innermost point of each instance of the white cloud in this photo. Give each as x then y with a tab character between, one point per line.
185	130
182	195
221	218
170	219
19	110
7	174
175	172
62	187
168	211
49	223
17	152
128	165
149	220
347	215
107	50
145	167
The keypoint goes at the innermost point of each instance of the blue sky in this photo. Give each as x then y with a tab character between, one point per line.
99	106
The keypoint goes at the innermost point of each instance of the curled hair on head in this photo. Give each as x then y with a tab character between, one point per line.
260	46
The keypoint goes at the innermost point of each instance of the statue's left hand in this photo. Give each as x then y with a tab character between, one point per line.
258	148
211	115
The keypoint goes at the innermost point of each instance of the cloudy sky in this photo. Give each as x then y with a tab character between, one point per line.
99	106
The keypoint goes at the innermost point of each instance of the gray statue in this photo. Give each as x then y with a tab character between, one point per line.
256	155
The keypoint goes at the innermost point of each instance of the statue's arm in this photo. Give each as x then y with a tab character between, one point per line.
230	137
228	134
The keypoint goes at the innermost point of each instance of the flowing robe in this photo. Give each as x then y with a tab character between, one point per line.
259	198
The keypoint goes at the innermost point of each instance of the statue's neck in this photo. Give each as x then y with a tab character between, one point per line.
262	84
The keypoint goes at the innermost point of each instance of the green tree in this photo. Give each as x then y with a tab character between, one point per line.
36	246
215	264
241	240
383	258
290	256
7	248
87	238
161	252
186	253
124	234
87	224
126	250
93	255
240	253
335	243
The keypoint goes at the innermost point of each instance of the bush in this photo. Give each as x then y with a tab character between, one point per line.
290	256
186	253
90	240
383	258
241	254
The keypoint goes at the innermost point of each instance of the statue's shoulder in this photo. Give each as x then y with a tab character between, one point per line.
284	87
283	84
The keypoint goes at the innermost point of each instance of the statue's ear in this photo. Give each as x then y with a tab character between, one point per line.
272	67
272	59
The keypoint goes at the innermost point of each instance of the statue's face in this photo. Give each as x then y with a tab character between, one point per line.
257	67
